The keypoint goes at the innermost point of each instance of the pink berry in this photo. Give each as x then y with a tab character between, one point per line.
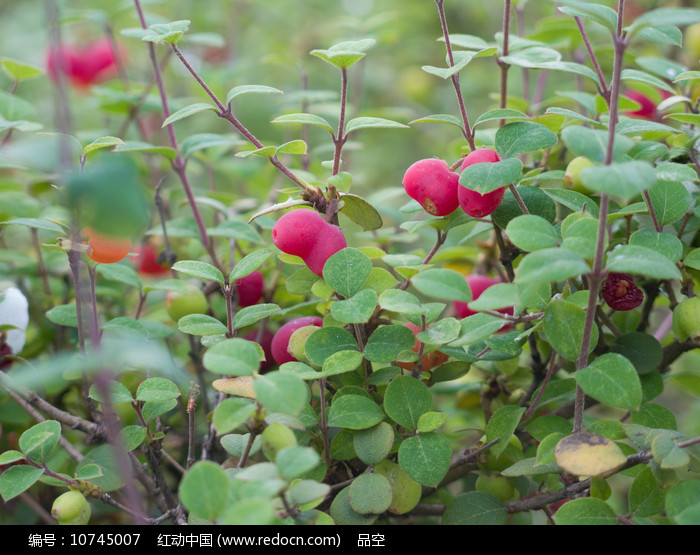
85	66
433	185
621	293
297	231
280	342
306	234
328	244
250	288
473	203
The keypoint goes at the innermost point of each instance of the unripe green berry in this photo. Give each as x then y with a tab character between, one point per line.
276	437
686	319
573	173
71	507
498	486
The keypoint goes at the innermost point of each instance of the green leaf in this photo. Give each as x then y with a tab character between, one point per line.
200	270
344	54
633	259
201	324
683	502
235	356
361	212
305	119
166	32
370	494
440	118
643	77
530	233
502	426
670	200
550	265
664	243
281	392
354	412
387	342
441	332
295	461
324	342
692	259
406	399
537	202
204	490
461	60
443	284
118	393
563	325
374	444
624	180
339	363
431	421
425	458
36	223
668	454
188	111
146	148
403	302
645	497
532	57
234	229
123	273
231	413
477	327
251	314
589	511
475	508
250	89
605	16
357	309
38	442
19	71
249	263
592	143
102	142
157	389
18	479
499	114
486	177
63	315
521	137
573	200
369	122
612	380
347	270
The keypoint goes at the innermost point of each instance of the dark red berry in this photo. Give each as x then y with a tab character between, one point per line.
621	293
5	353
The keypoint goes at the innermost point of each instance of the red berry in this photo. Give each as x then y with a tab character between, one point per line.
147	261
621	293
5	351
83	66
473	203
327	245
306	234
433	185
250	288
280	342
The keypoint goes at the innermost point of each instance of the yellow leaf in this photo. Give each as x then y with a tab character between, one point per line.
240	387
588	454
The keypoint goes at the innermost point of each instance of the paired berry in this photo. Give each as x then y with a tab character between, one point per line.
280	342
473	203
621	293
433	185
304	233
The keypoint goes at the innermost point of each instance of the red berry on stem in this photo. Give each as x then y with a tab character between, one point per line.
250	288
280	342
621	293
327	245
433	185
473	203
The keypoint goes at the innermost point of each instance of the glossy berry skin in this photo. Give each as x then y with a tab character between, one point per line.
250	288
430	360
84	66
473	203
106	249
621	293
304	233
280	342
433	185
477	284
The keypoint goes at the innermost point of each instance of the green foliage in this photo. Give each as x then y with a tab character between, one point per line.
420	398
